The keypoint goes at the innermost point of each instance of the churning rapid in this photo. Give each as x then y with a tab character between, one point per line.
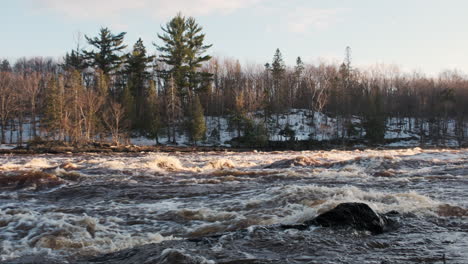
224	207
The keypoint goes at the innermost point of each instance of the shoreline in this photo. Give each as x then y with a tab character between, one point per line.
62	148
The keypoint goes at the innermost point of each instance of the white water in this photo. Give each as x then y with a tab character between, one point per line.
114	202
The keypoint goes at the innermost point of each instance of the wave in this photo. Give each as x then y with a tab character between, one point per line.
30	232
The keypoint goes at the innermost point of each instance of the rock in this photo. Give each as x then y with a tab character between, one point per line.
300	161
68	166
169	256
37	180
356	215
448	210
384	174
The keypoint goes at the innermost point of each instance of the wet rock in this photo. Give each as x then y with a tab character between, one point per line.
356	215
31	179
37	259
167	253
384	174
70	176
169	256
300	161
449	210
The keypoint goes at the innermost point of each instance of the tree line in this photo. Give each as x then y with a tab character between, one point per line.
104	91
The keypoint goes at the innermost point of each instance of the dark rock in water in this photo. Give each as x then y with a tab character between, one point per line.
29	179
40	258
356	215
168	252
170	256
300	161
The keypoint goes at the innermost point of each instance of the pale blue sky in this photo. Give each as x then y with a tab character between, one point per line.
424	35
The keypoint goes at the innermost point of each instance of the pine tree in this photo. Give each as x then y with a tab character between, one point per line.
299	68
296	89
197	122
346	82
174	52
154	125
278	70
107	48
267	93
74	61
374	117
277	66
128	102
183	50
196	48
138	79
5	66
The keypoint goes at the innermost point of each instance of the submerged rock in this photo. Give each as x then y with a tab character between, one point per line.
169	256
448	210
356	215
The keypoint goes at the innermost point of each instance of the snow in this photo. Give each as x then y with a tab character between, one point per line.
306	124
7	146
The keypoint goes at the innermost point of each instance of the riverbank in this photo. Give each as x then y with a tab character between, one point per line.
60	147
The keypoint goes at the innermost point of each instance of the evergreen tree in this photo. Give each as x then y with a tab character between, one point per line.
267	93
74	61
196	48
154	125
174	52
345	81
128	102
5	66
138	79
299	68
374	117
277	66
255	134
296	89
107	47
197	122
278	70
288	133
183	51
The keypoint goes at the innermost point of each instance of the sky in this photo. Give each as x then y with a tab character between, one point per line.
428	36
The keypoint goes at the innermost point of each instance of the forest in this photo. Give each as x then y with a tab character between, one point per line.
113	92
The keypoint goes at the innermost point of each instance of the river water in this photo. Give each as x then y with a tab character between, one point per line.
225	207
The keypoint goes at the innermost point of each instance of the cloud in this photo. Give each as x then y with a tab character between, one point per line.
158	9
302	20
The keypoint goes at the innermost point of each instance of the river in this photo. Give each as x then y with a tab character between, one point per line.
225	207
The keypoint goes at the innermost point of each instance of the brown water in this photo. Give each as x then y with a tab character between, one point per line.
224	207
